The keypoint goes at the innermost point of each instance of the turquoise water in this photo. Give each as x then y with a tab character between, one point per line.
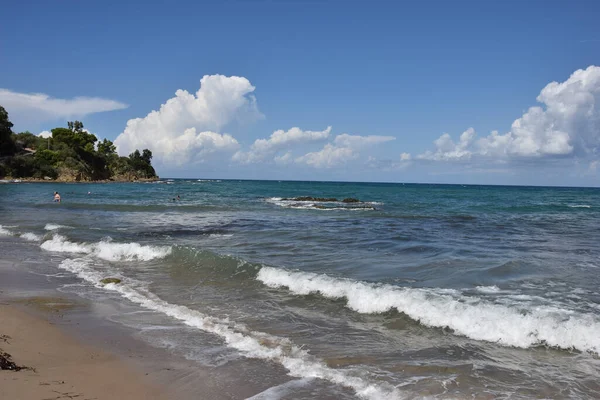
447	291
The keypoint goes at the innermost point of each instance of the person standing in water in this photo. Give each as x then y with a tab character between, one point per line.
56	197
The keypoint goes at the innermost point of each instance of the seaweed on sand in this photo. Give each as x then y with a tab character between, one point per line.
6	363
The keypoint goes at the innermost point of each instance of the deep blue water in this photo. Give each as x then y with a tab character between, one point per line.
449	291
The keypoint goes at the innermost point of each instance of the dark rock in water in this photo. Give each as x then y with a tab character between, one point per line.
350	200
6	363
106	281
320	207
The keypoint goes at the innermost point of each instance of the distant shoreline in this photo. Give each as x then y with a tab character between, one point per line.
32	180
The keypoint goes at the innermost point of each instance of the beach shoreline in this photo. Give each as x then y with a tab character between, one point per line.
70	347
56	365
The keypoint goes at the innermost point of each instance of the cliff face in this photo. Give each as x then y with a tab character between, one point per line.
69	175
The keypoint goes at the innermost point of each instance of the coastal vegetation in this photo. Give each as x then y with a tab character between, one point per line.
70	154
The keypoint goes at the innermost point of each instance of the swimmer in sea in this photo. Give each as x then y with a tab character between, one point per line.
56	197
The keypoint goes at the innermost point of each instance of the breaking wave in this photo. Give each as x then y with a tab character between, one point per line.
4	231
32	237
53	227
107	250
472	317
250	343
322	205
488	289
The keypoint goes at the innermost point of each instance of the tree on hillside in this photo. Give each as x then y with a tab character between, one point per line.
142	162
74	136
71	153
7	146
106	148
29	140
75	126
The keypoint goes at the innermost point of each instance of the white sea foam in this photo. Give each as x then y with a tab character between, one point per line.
129	251
32	237
466	315
59	243
107	250
579	206
53	227
4	231
281	391
311	205
253	344
488	289
250	343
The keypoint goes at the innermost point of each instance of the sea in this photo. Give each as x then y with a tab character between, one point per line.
413	291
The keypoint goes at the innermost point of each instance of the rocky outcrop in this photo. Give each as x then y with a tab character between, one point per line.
106	281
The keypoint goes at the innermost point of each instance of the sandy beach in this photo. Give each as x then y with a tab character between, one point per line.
57	366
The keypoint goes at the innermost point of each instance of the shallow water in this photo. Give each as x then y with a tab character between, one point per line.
444	291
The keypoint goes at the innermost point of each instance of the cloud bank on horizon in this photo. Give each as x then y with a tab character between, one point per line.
187	128
568	125
192	128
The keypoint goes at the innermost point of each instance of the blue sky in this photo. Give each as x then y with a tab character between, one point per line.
393	76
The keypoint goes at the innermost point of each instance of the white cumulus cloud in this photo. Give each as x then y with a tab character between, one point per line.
328	157
405	157
287	158
262	149
185	128
567	124
345	148
42	105
194	147
447	150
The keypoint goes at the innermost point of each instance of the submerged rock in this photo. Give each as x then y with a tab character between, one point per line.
350	200
106	281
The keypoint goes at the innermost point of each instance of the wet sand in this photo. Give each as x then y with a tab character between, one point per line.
57	366
75	351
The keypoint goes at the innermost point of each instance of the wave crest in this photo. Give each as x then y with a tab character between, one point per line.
32	237
468	316
4	231
107	250
250	343
53	227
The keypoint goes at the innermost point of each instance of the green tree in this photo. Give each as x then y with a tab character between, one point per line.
71	152
76	126
7	146
147	156
28	139
106	148
141	163
76	139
